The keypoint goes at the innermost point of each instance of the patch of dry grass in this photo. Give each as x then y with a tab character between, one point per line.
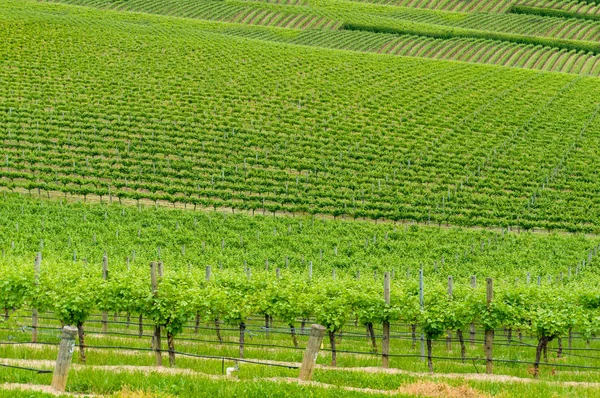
441	390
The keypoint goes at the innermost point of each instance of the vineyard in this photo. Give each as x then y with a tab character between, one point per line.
234	286
204	197
94	126
508	35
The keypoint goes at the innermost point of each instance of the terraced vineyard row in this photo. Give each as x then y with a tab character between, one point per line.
495	6
559	8
488	6
334	13
439	142
236	12
428	39
532	25
559	310
83	233
464	50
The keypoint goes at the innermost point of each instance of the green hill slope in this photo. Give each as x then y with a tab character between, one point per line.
105	103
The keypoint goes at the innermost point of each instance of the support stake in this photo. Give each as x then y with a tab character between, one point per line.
310	354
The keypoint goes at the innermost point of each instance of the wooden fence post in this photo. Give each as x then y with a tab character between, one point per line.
489	334
65	355
156	343
385	341
422	304
310	354
35	315
450	292
472	327
105	277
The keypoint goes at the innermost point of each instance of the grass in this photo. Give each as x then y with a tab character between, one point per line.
258	381
353	340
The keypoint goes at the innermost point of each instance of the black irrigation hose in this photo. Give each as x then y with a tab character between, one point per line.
306	332
245	343
193	355
38	371
354	336
575	335
237	360
515	343
26	342
326	350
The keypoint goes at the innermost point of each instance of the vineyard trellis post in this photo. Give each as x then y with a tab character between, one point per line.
385	341
34	315
65	356
450	292
105	277
156	343
422	304
489	333
472	326
312	350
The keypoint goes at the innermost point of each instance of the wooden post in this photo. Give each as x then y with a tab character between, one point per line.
422	303
489	334
105	277
310	271
472	327
385	340
156	343
65	355
34	315
450	291
310	354
208	272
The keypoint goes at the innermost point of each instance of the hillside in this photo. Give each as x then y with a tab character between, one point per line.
209	197
139	106
554	36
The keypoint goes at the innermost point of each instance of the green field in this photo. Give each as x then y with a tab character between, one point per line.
524	36
130	113
275	164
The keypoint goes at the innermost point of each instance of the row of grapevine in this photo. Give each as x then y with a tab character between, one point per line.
178	297
559	8
581	7
465	50
260	13
83	233
330	14
572	29
487	6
